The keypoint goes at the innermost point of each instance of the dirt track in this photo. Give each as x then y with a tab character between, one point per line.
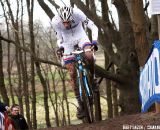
138	121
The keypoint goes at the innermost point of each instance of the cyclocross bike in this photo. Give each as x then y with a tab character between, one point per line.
85	88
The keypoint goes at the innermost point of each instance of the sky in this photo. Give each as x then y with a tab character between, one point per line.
39	14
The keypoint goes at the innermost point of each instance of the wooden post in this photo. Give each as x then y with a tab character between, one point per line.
157	105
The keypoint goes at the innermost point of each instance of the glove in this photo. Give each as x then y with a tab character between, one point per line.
60	51
94	44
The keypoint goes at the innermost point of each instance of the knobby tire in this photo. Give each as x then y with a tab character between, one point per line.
87	101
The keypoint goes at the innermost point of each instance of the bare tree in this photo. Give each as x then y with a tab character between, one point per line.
105	17
63	78
154	28
139	23
17	50
45	92
9	60
46	8
125	58
2	85
30	7
55	105
24	72
115	101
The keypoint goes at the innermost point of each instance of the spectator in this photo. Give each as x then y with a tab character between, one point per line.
3	107
5	121
18	120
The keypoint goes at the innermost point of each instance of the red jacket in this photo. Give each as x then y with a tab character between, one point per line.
8	123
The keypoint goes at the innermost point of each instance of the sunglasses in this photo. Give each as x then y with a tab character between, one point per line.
66	22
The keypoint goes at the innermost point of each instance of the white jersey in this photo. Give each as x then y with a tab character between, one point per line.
76	34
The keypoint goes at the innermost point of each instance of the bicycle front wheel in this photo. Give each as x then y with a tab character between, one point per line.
87	99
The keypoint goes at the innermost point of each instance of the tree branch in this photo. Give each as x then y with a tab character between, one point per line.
109	75
45	7
110	35
54	4
99	22
99	70
28	50
105	25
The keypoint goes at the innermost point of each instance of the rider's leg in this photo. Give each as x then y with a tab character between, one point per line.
91	65
86	44
89	59
73	75
72	72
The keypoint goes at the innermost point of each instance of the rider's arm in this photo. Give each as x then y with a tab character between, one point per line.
57	32
89	24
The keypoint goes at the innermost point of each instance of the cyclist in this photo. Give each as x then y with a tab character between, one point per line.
68	26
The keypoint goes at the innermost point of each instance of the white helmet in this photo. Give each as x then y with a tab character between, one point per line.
66	13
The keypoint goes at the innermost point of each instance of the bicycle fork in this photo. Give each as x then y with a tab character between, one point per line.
82	75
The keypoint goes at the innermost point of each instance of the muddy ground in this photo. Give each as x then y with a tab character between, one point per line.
138	121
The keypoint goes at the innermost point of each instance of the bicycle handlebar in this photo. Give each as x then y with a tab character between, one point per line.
76	52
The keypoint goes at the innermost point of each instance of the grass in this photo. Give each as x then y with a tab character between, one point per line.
72	107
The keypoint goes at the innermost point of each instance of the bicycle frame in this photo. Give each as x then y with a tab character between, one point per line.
81	69
85	91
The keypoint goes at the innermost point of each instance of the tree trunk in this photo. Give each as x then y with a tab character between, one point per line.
2	85
63	77
45	7
128	66
52	102
18	52
55	107
18	56
137	14
115	101
105	17
154	29
30	6
108	90
109	98
92	5
45	93
8	48
20	95
98	116
72	4
24	74
88	30
97	104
